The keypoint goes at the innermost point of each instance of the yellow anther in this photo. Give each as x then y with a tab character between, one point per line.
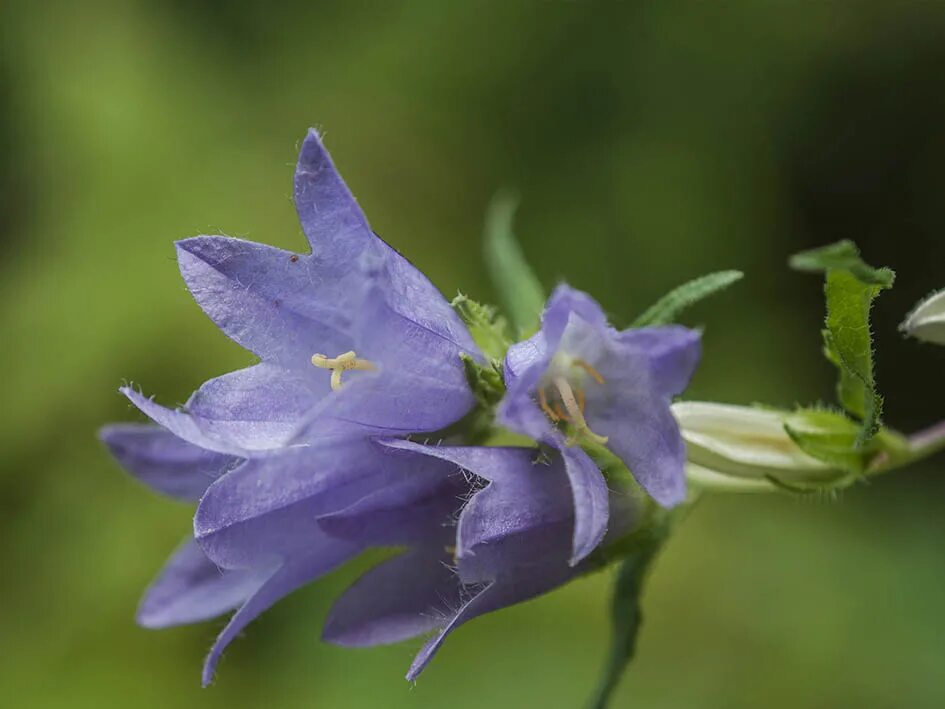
575	414
589	369
342	363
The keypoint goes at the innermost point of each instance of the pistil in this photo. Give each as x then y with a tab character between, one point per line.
342	363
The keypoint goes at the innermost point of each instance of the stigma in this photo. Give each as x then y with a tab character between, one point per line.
563	403
342	363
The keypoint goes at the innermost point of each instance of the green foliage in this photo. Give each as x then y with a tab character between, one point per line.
521	293
626	614
488	329
668	308
851	286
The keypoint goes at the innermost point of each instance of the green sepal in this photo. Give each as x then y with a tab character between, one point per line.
489	330
668	308
851	286
520	291
829	436
485	381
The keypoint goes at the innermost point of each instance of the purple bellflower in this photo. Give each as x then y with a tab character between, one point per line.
353	340
579	381
259	532
513	542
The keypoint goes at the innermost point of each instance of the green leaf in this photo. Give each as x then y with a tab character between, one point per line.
667	308
626	615
927	319
486	382
851	286
842	256
488	329
521	293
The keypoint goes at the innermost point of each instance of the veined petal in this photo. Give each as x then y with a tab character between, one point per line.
500	593
590	501
189	428
564	303
745	442
524	495
267	509
164	462
674	352
411	594
331	218
420	508
259	407
290	576
191	589
282	306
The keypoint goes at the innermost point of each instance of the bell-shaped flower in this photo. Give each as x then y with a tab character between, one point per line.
513	542
353	339
579	381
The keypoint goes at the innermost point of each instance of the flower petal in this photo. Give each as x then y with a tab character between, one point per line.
287	578
591	510
673	351
282	306
524	496
164	462
189	428
259	407
643	433
419	507
267	509
564	302
501	593
191	589
403	597
331	218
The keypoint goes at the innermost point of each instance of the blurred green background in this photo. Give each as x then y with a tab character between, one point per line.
650	142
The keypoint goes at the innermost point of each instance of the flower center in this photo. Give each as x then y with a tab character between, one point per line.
562	403
342	363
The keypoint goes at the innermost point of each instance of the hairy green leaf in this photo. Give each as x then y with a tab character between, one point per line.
667	308
519	289
851	286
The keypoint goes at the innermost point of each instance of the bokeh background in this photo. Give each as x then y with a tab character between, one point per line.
650	142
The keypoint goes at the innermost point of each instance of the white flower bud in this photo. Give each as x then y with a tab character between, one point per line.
724	441
927	320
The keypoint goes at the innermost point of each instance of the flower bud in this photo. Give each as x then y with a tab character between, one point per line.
726	444
927	320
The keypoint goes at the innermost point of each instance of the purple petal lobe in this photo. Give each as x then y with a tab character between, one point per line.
267	509
590	501
183	425
401	598
191	589
280	305
164	462
674	353
259	407
331	218
286	579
